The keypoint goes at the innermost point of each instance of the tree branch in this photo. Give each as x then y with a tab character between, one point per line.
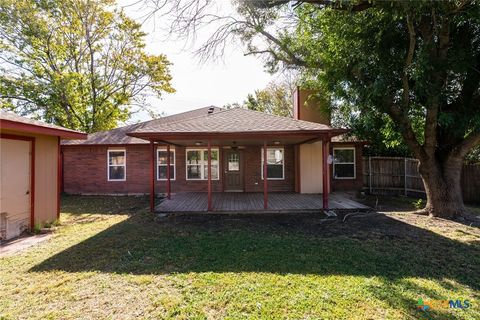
337	5
472	140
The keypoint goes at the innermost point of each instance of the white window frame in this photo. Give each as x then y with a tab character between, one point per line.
354	163
203	164
124	164
165	165
283	164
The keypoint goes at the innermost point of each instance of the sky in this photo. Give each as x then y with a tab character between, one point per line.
199	84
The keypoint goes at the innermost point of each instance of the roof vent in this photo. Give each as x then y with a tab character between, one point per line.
210	110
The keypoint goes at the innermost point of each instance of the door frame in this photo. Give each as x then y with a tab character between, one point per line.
224	168
32	171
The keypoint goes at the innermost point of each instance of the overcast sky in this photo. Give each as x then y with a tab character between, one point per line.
198	85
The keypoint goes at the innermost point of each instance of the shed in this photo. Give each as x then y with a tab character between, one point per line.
30	172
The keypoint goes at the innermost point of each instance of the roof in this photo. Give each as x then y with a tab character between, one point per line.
343	138
119	135
207	120
236	120
12	121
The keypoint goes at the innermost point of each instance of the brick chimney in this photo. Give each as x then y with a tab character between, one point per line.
308	107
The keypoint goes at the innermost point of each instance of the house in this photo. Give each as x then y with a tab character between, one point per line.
215	150
30	172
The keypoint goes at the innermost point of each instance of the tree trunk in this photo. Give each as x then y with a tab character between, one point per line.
442	186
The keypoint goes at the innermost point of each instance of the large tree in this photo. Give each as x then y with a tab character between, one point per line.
276	98
415	62
81	64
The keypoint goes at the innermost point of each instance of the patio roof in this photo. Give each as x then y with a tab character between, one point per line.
236	122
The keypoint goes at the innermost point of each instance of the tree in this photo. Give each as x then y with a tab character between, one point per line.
80	64
275	99
415	62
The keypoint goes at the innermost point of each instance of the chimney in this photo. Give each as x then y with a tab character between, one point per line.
308	107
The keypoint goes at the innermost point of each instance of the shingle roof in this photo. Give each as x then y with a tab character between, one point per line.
236	120
30	124
119	135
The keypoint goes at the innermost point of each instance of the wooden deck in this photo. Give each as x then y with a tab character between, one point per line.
196	202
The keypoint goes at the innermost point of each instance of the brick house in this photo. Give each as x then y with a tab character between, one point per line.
133	159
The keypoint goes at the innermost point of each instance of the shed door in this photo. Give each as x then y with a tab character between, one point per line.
14	187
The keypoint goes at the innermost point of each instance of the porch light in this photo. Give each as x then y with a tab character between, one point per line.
198	143
276	142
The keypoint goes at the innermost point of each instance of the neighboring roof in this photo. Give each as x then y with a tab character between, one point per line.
12	121
236	120
343	138
119	135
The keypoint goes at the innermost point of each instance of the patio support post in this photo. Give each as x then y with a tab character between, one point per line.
265	175
152	176
168	172
209	175
325	172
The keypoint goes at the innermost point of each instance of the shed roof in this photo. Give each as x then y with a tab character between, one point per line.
12	121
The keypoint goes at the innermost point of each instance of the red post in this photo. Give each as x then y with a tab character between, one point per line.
209	175
265	175
168	172
152	176
325	173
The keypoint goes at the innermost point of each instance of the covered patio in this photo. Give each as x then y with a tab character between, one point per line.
233	132
197	202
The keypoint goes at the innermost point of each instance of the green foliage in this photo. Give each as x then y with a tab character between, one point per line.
37	228
473	156
387	67
275	99
78	64
419	204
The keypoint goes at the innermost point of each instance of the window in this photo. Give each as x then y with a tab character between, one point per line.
197	164
344	163
162	164
234	162
116	165
275	163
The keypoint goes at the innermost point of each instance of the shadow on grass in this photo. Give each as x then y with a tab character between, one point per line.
102	205
374	246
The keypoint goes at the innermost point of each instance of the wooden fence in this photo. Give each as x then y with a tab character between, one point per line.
387	175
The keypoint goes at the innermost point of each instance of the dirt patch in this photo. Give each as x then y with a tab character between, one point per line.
361	225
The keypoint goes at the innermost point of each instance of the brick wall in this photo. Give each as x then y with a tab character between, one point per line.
349	184
85	171
253	171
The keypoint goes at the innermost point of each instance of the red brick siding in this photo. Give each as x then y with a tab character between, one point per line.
349	184
85	171
253	171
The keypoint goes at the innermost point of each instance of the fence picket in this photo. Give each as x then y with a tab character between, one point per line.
387	175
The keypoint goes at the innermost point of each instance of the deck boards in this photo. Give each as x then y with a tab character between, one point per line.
253	202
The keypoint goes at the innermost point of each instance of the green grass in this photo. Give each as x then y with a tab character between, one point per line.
110	259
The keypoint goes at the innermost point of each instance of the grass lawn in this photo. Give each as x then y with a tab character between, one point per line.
110	259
